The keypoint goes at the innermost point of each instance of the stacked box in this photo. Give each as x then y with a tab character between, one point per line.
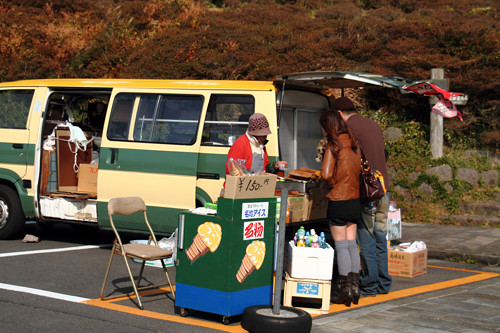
295	206
315	205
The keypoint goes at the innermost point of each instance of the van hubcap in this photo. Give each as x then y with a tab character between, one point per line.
4	214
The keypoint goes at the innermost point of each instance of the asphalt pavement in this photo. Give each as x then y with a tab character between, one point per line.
460	293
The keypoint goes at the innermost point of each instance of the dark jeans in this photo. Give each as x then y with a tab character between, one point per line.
372	242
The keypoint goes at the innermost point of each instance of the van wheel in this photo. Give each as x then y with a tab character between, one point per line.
11	213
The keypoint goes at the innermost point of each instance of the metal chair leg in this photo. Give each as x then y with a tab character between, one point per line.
133	283
107	270
168	278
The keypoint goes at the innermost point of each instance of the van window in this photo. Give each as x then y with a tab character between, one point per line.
160	118
226	119
15	107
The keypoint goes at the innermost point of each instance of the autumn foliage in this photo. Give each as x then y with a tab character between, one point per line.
258	39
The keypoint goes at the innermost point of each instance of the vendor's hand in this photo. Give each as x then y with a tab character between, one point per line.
280	165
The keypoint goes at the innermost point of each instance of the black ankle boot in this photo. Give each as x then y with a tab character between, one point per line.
345	294
354	277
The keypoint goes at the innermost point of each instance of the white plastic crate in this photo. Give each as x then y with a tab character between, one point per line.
309	262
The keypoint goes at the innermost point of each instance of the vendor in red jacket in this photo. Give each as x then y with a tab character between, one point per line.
250	148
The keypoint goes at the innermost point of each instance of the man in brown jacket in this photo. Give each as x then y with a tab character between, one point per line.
372	230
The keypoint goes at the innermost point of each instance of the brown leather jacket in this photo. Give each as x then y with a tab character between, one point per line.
344	184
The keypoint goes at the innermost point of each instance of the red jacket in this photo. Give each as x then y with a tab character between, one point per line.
241	149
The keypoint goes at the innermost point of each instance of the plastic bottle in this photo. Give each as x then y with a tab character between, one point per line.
211	205
301	242
315	241
295	239
307	239
323	240
301	232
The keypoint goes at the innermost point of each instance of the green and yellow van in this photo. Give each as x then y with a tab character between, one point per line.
163	140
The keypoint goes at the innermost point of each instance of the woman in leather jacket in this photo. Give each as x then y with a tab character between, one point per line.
340	171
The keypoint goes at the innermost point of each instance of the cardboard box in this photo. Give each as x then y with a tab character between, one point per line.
87	178
296	208
407	264
249	187
315	205
309	262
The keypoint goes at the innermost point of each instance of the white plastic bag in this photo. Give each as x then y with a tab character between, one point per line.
170	243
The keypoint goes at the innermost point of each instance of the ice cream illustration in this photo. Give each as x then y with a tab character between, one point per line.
253	259
208	238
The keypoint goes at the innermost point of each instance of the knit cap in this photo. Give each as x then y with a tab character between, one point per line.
258	125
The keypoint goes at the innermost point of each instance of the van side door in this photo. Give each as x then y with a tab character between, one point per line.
150	149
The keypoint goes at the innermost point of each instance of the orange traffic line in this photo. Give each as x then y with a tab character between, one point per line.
415	290
365	301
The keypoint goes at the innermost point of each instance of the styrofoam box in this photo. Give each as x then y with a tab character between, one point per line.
309	262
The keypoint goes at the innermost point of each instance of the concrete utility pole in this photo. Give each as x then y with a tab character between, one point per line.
437	78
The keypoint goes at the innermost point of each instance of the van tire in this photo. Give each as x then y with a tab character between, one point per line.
11	213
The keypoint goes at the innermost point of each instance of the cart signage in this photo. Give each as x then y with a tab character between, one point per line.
255	210
307	288
253	230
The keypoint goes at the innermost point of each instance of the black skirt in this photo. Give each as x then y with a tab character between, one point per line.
341	212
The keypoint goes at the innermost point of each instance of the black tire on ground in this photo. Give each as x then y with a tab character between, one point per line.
255	320
11	213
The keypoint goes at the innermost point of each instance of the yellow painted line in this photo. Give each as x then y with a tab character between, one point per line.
415	290
109	304
161	316
365	301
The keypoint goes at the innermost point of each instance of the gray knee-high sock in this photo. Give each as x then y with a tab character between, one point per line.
354	254
343	257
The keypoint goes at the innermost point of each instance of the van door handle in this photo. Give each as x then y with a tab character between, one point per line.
17	146
207	175
114	155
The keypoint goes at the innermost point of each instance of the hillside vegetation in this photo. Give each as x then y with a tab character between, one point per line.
258	39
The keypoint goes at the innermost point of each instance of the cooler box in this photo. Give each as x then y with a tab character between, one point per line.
225	262
309	262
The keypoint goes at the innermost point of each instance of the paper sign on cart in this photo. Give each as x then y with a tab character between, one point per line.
255	210
253	230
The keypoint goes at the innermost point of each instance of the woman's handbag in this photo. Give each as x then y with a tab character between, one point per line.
371	185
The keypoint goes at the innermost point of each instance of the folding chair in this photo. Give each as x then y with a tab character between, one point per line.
143	252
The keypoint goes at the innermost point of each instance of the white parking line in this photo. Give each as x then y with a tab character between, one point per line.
73	248
44	293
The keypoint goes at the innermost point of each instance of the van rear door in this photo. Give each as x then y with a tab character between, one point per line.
150	149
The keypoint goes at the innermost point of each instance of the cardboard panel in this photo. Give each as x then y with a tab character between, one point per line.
248	187
87	178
